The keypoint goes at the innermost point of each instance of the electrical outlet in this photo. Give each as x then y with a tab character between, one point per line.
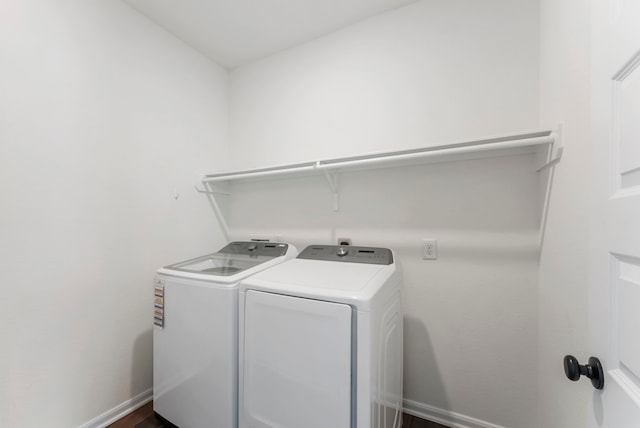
430	249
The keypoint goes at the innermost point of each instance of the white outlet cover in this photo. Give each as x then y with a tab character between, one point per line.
429	249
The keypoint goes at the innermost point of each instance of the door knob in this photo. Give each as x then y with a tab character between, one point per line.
593	370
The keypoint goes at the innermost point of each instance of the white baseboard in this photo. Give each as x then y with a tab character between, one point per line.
424	411
120	411
444	417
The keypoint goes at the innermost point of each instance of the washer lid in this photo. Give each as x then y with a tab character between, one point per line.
231	260
219	264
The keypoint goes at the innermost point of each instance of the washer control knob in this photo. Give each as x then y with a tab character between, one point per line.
342	252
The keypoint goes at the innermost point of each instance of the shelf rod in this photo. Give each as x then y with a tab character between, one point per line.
257	173
438	152
471	147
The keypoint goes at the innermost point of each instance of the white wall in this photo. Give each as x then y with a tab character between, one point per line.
103	117
470	316
564	97
432	72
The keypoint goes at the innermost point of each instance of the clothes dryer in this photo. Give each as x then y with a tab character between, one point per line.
321	341
195	337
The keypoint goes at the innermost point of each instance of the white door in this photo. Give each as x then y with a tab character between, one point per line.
615	263
296	363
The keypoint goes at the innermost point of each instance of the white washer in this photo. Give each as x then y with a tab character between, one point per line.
321	341
195	337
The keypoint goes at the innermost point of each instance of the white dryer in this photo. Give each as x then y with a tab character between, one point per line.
321	341
195	337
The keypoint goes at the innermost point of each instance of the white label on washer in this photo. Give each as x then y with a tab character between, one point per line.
158	310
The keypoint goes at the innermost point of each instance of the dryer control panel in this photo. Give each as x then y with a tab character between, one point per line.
348	253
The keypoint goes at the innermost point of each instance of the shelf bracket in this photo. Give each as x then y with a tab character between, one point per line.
206	188
333	181
553	158
212	192
555	150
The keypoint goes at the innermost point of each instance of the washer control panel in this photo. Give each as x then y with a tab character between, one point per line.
348	253
255	248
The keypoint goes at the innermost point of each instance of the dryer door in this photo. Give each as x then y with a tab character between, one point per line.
297	363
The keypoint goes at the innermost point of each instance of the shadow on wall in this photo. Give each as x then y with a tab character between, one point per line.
423	364
141	366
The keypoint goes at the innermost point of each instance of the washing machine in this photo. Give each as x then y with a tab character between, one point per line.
195	336
321	341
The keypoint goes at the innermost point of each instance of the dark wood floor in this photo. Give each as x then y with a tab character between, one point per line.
141	418
409	421
144	418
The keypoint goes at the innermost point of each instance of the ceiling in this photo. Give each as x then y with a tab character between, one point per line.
236	32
